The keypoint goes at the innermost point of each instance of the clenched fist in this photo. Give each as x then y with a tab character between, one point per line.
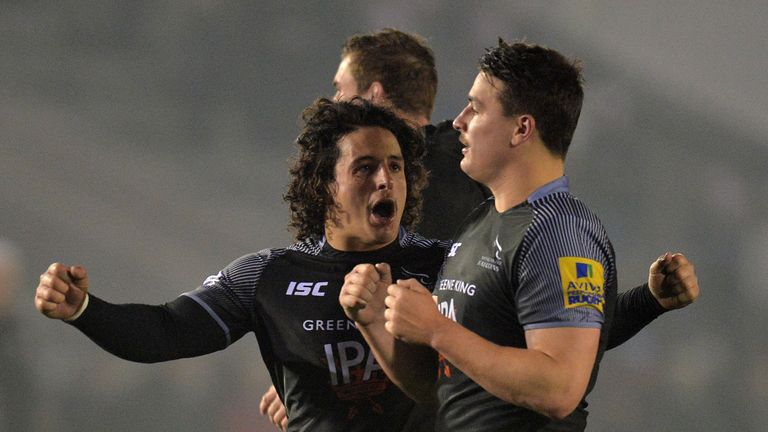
62	291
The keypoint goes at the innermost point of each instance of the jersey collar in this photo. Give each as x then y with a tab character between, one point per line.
327	249
557	185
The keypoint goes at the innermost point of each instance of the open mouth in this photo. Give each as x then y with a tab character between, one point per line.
383	211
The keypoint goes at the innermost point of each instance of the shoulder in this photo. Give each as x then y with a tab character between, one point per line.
564	226
443	138
418	247
414	240
309	246
249	267
410	239
446	126
564	209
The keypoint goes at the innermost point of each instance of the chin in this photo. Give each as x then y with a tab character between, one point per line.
385	235
466	166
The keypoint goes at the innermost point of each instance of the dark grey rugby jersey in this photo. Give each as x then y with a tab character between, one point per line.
318	361
545	263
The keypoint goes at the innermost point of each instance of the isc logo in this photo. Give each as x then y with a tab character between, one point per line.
306	289
454	249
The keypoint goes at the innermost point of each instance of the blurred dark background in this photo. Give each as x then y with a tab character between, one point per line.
149	142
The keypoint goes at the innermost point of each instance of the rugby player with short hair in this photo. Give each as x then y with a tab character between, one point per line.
527	293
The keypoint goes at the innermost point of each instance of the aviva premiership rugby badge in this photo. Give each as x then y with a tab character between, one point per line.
583	282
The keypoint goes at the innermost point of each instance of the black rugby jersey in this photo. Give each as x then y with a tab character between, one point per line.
320	364
451	195
542	264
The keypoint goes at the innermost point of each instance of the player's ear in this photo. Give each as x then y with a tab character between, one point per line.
522	129
376	93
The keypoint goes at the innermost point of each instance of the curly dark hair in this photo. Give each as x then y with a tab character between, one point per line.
403	64
542	82
310	193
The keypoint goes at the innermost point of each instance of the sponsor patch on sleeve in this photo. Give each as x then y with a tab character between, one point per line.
583	282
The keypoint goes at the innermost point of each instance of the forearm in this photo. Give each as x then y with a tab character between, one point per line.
551	383
411	367
149	334
635	309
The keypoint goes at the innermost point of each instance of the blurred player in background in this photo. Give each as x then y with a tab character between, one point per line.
17	389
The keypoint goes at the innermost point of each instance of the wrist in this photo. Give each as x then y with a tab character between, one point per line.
80	310
439	336
373	323
651	301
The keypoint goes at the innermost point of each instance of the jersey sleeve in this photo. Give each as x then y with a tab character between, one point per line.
635	309
150	333
563	265
228	297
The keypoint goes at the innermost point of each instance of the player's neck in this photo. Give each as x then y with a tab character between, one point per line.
355	242
419	120
522	178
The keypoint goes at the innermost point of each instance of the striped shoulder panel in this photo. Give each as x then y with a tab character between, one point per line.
244	274
308	246
555	217
408	239
563	204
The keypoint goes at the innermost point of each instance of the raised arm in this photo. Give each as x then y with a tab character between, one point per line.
672	284
413	368
135	332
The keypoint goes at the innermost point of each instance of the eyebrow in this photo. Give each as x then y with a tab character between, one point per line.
371	158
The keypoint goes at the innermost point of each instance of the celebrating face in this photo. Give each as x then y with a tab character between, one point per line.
369	191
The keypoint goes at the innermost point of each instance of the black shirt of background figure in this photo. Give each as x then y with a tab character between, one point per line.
451	194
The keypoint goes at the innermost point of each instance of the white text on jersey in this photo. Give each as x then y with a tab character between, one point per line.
306	289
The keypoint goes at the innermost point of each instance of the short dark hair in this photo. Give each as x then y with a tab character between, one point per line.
541	82
313	173
401	62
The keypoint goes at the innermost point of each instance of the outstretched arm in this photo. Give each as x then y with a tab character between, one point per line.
136	332
672	284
